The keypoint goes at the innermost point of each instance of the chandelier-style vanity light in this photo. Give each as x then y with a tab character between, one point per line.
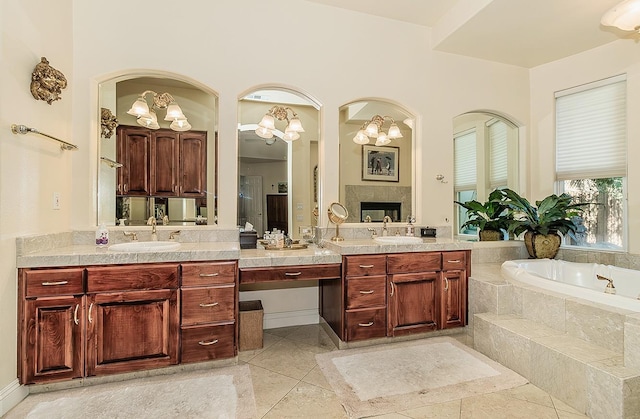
373	129
147	116
625	16
281	113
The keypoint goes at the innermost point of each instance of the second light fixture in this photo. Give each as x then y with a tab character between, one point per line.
374	129
267	126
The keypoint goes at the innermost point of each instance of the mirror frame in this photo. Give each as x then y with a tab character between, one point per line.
317	171
128	74
416	158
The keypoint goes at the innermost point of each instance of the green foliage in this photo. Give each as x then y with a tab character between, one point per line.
554	214
492	215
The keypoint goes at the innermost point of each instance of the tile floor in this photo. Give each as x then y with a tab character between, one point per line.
287	383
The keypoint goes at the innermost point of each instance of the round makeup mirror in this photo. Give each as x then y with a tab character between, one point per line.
338	214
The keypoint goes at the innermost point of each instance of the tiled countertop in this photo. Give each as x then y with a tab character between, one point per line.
368	246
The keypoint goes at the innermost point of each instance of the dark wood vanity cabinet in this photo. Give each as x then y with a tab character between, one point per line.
161	162
402	293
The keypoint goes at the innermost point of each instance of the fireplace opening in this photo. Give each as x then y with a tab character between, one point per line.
378	210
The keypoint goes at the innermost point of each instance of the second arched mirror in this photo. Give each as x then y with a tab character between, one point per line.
277	162
376	161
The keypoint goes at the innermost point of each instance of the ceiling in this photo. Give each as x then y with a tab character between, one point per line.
525	33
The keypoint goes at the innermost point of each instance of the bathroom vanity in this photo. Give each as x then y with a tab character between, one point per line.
85	312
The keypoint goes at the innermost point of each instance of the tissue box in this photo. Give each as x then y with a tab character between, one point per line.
248	240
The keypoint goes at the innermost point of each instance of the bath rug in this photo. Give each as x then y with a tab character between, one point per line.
223	393
400	376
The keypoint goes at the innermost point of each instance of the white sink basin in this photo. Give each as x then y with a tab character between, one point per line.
398	240
161	246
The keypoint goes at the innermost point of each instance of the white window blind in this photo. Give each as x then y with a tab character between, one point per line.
465	161
591	130
497	154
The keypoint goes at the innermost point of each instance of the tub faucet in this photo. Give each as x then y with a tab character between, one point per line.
385	220
609	289
152	222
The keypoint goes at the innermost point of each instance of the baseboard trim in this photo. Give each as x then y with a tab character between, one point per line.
291	318
11	395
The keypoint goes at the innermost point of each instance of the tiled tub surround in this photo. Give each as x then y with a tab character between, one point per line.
585	354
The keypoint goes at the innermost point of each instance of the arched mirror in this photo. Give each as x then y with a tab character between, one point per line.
486	156
376	161
159	158
277	162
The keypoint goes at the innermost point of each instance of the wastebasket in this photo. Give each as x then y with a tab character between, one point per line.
250	325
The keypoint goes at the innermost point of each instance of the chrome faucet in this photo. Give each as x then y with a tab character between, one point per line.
132	234
410	228
385	220
152	222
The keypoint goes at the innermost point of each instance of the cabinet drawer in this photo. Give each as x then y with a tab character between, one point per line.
54	282
368	291
290	273
454	261
198	274
132	277
205	343
366	324
365	265
414	262
207	305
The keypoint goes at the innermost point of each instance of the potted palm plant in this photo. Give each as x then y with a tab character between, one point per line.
543	223
490	218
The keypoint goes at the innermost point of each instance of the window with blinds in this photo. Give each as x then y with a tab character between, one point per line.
498	162
465	161
591	130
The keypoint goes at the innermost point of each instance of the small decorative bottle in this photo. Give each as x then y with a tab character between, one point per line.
102	236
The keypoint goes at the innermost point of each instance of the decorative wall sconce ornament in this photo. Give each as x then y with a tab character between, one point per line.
373	129
47	82
147	116
281	113
108	123
625	16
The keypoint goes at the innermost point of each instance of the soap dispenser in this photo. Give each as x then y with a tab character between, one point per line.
102	235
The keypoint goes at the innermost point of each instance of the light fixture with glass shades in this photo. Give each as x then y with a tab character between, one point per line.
147	116
267	125
374	129
625	16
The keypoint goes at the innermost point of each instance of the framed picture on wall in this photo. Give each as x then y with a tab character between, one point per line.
380	163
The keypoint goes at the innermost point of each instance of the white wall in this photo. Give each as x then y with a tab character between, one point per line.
218	45
606	61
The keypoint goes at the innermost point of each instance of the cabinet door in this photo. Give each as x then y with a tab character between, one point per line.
133	150
163	165
413	303
453	299
52	341
130	331
193	164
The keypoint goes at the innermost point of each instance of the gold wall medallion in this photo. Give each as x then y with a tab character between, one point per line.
108	122
47	82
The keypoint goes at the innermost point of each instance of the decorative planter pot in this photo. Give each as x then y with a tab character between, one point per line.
542	246
490	235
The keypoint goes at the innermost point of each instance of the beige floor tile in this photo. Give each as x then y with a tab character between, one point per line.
307	401
269	388
388	416
449	410
317	378
268	340
288	358
501	406
312	335
569	415
282	331
530	393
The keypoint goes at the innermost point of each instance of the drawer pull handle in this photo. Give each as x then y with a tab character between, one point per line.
365	324
446	284
209	275
208	305
75	315
211	342
366	266
292	273
454	261
90	318
48	284
392	288
366	292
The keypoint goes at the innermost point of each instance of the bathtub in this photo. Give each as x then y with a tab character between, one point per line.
578	280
